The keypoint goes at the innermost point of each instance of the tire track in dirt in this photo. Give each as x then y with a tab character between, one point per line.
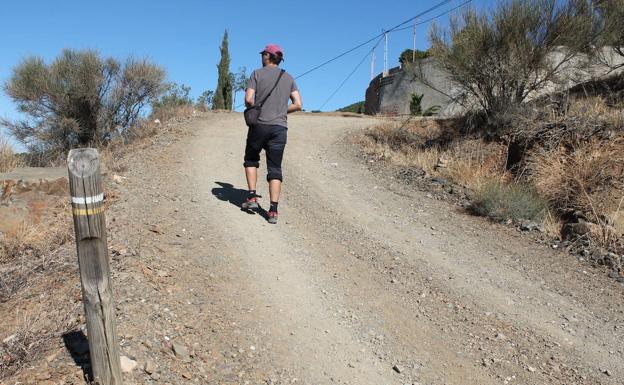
361	275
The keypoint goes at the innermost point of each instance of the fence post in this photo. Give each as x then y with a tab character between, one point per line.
85	186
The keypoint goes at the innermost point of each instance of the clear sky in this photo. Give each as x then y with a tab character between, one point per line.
184	37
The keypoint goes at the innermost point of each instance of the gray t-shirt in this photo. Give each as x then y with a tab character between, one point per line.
275	108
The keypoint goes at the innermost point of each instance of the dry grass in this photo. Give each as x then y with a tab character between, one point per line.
39	285
576	164
26	250
588	178
8	159
426	144
474	163
167	113
552	225
573	125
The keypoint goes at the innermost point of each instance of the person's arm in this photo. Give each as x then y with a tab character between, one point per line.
249	97
296	104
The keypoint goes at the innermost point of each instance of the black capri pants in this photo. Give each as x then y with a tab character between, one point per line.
272	139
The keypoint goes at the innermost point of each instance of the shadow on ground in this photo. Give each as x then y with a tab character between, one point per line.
77	345
236	196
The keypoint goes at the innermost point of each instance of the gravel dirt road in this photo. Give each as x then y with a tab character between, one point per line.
363	280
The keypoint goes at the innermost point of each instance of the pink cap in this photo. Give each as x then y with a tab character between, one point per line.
273	49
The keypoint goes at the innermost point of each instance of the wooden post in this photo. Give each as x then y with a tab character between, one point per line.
85	186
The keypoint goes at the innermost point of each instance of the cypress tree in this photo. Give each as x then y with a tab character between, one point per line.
223	94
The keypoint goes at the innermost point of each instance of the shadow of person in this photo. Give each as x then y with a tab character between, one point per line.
236	196
78	346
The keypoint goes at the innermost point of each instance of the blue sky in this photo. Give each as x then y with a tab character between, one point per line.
184	37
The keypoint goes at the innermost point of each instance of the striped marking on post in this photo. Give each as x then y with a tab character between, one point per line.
93	211
94	200
88	200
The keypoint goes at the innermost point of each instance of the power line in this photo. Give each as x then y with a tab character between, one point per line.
382	36
435	17
350	74
396	28
373	38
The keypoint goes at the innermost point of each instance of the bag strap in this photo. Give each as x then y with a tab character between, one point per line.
270	92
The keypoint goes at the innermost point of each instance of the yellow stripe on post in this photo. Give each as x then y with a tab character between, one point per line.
92	211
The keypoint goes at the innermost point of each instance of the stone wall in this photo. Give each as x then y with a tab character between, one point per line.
390	95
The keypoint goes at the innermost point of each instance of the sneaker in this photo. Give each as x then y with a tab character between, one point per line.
272	217
250	203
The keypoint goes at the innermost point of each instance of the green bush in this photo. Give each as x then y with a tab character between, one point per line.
175	95
502	202
416	107
80	99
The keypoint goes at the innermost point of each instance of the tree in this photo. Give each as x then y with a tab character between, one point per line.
223	93
80	99
499	58
204	101
174	96
609	18
357	107
239	82
407	56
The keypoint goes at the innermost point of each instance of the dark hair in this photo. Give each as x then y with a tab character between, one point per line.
275	59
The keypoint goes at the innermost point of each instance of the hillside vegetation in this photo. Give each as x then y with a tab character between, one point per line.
557	160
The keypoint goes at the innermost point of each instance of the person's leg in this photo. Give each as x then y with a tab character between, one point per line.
275	188
251	173
274	154
251	164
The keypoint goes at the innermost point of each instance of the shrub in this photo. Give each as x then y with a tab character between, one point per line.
80	99
174	95
502	202
499	57
408	55
588	178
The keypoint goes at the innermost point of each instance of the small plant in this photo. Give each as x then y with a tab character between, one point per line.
502	202
416	107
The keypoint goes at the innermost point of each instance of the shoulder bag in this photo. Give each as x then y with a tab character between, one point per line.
253	113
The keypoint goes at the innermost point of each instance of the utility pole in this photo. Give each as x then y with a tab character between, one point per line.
385	53
372	64
414	37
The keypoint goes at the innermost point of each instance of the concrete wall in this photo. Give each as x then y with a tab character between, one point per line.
390	95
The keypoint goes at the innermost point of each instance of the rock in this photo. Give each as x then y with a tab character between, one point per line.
442	163
149	367
9	339
571	231
45	375
528	226
181	352
531	369
397	368
53	356
117	179
440	181
127	364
